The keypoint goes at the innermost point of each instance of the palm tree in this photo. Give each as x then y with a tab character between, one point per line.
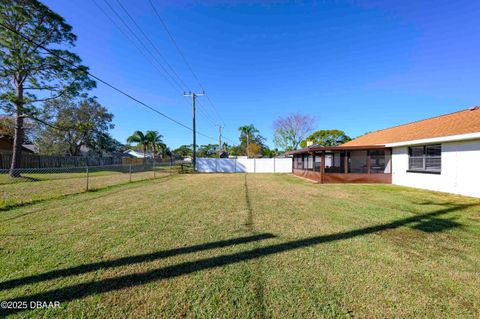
155	141
247	131
139	138
163	150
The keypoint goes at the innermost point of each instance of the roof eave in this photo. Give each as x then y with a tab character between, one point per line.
337	148
439	139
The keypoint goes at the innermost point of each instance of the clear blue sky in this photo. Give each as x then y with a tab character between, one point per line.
355	66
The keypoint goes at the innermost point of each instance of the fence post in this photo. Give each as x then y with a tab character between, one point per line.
274	171
130	172
87	177
235	161
153	169
254	165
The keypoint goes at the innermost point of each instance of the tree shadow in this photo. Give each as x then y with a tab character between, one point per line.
433	225
78	270
85	289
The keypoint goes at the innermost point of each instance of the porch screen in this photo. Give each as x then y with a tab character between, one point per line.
358	162
377	161
298	161
317	162
310	163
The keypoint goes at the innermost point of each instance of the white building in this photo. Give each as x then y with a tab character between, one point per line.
441	154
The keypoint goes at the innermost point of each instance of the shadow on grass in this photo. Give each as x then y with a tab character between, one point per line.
130	260
85	289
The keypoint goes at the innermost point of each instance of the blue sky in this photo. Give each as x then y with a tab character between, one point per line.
357	66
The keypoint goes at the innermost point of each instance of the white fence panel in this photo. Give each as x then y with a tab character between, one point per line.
244	165
283	165
206	165
225	165
264	165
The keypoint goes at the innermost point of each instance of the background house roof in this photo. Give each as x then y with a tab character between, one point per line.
461	122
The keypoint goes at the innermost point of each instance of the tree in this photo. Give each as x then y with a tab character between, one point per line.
164	150
184	151
254	150
27	74
267	152
291	130
208	150
154	140
7	128
74	123
108	144
237	150
141	140
327	138
250	134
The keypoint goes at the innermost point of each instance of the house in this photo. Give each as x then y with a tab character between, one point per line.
6	146
137	154
440	153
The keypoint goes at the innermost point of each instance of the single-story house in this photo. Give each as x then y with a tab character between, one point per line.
137	154
6	145
440	153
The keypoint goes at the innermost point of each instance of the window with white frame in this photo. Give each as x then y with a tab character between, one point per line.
425	158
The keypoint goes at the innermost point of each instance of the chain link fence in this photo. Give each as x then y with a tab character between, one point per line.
28	185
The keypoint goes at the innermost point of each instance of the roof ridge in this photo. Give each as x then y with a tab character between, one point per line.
473	108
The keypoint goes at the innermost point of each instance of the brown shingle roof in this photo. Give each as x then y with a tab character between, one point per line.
462	122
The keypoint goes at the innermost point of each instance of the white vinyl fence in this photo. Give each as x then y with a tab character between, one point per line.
244	165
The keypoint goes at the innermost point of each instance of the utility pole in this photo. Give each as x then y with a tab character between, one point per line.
220	127
194	126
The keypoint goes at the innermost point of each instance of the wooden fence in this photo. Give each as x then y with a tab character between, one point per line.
43	161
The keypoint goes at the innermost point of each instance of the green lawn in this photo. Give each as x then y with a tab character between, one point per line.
248	246
42	184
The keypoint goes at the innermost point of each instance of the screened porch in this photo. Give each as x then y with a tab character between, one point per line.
344	165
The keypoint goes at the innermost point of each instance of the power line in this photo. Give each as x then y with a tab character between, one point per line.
153	45
172	38
170	78
134	43
201	108
101	80
207	116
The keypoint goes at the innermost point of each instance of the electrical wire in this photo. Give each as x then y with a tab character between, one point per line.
172	38
102	81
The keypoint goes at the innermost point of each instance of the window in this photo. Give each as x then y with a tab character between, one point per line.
425	158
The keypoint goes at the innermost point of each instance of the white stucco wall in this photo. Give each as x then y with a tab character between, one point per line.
460	169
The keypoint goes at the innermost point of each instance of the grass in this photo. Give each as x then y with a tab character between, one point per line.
43	184
249	246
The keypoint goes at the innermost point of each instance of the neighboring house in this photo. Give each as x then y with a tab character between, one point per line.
31	147
441	153
137	154
6	145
